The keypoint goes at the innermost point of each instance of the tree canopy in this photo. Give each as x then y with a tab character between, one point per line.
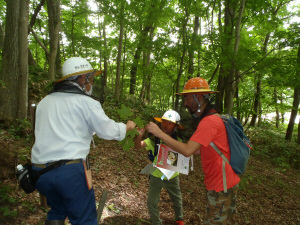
246	50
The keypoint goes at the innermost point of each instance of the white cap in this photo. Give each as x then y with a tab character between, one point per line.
172	116
75	66
19	167
169	115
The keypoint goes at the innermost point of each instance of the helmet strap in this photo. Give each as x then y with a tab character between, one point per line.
199	105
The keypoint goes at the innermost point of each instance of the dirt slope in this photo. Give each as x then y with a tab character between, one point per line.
267	195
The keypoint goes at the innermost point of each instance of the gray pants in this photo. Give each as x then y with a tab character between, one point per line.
173	188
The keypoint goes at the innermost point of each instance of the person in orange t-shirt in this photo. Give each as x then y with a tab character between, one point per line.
221	202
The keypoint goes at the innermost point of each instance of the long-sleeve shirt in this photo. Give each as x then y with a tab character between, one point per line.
65	123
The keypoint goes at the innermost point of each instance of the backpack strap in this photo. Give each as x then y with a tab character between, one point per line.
223	164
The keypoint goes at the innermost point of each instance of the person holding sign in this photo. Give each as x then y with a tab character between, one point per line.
221	205
169	125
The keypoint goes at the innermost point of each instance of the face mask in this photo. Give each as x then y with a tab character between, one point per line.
90	91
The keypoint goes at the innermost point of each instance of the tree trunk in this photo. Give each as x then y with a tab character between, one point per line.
54	27
298	138
185	45
1	37
149	24
31	60
192	48
72	32
9	102
134	67
117	85
289	132
146	70
124	63
256	109
105	60
34	16
23	59
256	102
226	35
199	50
276	107
231	81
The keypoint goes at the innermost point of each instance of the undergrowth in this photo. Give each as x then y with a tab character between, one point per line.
269	142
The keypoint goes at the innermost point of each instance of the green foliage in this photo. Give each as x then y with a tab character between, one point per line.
128	141
269	143
139	123
7	200
113	208
2	84
38	83
20	129
124	112
29	205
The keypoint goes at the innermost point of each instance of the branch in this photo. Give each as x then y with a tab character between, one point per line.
36	12
214	73
39	42
255	64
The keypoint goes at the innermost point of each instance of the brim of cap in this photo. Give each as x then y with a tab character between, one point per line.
158	119
96	73
200	91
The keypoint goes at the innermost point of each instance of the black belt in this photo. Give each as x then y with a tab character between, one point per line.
58	163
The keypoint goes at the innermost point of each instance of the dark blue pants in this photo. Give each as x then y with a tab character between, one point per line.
67	194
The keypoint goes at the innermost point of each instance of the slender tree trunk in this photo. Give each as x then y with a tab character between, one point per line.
124	63
226	41
146	70
105	60
276	107
185	46
231	85
178	77
1	37
256	102
256	109
35	14
282	113
289	132
134	67
72	32
156	6
31	60
23	59
54	26
117	84
298	138
192	47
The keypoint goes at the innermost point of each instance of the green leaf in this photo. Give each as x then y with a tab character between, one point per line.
132	133
127	143
124	112
139	122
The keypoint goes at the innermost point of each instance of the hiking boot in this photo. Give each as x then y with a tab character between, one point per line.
179	222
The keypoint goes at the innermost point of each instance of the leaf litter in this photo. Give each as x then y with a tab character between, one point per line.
267	195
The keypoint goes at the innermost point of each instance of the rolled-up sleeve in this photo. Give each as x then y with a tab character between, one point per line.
103	126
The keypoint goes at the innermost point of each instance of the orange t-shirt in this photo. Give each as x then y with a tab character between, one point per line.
212	129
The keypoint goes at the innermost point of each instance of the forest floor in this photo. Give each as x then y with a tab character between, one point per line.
267	195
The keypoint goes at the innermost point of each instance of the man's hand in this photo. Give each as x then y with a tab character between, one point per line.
130	125
154	129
